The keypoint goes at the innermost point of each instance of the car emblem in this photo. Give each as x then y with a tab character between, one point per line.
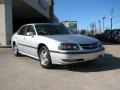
92	46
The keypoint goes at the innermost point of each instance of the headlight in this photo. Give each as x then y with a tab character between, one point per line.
68	46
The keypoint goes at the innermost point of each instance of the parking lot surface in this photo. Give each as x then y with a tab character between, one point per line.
25	73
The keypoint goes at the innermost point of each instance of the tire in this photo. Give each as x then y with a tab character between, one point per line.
44	57
15	50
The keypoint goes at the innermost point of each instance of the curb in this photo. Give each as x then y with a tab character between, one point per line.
6	46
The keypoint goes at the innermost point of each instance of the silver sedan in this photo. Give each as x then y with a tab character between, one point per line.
54	44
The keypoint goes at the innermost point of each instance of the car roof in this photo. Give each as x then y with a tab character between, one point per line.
44	24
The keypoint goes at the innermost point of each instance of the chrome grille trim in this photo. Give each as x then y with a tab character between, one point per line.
89	46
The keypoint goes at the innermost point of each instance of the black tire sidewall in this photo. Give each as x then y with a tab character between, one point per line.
49	64
17	52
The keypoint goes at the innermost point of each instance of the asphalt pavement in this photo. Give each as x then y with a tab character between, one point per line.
25	73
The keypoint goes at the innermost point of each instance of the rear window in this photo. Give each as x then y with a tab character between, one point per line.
22	30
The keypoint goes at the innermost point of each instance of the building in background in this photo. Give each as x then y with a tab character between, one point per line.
56	19
14	13
71	24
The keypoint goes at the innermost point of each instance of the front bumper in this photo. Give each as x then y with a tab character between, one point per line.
68	58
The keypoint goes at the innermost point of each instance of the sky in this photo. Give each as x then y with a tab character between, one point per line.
88	11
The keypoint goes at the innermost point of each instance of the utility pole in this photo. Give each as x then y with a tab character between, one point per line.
94	27
111	17
103	22
100	26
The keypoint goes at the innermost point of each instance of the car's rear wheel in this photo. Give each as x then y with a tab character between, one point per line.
15	50
45	59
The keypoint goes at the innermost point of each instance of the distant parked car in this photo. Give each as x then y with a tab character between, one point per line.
109	37
112	35
54	44
106	34
99	36
116	35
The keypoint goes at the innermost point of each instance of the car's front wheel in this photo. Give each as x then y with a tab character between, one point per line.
45	59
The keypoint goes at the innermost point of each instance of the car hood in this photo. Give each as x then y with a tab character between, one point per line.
73	39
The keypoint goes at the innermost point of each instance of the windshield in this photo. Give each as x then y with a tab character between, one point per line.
51	30
114	32
107	32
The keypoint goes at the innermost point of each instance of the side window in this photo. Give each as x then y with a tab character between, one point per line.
22	30
30	29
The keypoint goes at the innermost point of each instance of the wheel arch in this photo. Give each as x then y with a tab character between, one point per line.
49	62
41	45
13	43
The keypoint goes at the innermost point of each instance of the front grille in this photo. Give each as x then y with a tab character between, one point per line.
89	46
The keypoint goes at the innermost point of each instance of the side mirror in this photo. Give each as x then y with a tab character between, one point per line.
30	34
